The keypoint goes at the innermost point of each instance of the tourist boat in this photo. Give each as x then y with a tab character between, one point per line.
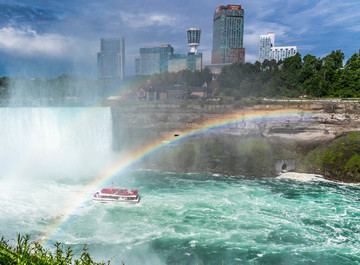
117	195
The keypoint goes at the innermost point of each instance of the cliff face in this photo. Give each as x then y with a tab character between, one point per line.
143	122
264	140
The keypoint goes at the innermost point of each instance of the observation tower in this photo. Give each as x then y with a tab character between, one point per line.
193	35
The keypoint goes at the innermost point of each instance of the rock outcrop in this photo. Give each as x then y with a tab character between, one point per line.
134	125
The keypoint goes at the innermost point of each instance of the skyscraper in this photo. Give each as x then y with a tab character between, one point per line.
266	42
268	51
153	60
111	58
228	35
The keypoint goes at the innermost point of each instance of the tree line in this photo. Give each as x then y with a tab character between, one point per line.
293	77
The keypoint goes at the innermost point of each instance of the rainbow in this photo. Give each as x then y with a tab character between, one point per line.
133	157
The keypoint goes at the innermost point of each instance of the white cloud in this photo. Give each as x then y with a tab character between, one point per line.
145	20
326	14
355	28
28	42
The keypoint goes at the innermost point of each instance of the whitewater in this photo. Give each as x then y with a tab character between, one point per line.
49	154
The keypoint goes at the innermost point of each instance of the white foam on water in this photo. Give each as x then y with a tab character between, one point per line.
303	177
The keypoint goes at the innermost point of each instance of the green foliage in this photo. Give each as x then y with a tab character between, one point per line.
32	253
339	160
292	77
313	160
353	166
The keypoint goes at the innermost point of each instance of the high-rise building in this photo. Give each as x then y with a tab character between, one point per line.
266	42
268	51
111	58
228	35
153	60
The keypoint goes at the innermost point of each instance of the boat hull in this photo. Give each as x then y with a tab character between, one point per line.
117	200
116	197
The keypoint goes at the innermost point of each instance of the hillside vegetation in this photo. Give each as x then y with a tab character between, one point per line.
338	160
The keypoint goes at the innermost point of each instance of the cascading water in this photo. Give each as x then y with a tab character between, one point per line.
36	139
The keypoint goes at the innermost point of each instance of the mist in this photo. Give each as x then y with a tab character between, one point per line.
54	141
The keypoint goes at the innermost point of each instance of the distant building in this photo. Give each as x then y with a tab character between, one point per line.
177	62
198	92
153	60
228	35
111	58
165	93
194	61
176	92
268	51
193	35
190	61
161	59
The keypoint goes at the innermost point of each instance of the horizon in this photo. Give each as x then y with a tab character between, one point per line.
39	39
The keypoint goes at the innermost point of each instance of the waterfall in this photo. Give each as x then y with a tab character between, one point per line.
55	140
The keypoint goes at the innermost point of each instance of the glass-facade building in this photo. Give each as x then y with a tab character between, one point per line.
190	61
111	58
268	51
160	59
194	61
228	35
153	60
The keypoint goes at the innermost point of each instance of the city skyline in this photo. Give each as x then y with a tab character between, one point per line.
41	38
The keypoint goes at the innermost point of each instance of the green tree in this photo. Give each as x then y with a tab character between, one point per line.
353	63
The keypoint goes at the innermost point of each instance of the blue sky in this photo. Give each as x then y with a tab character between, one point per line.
47	38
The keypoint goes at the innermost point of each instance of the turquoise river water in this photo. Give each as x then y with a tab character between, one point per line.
48	155
194	218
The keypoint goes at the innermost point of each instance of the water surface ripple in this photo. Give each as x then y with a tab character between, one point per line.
194	218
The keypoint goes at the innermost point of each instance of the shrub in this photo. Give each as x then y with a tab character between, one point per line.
26	252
